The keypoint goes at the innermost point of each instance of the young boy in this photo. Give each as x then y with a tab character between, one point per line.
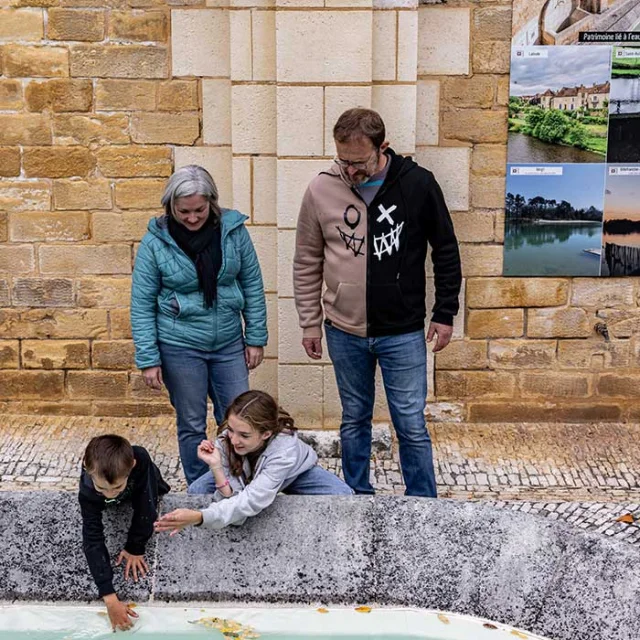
112	472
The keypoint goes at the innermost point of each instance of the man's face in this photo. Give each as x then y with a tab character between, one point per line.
358	159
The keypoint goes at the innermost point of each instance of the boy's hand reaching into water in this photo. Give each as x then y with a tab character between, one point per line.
120	613
134	564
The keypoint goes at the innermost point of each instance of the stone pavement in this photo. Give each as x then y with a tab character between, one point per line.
586	475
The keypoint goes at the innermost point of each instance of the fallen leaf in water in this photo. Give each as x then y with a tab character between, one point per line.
102	613
488	625
519	634
363	609
133	605
627	518
322	610
443	618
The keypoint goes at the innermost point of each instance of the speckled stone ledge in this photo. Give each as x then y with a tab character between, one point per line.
529	572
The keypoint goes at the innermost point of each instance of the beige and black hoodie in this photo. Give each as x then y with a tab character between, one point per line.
372	259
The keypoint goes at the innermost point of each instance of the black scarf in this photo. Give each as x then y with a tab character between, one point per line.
204	247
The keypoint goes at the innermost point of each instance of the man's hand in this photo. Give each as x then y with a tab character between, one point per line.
177	520
443	334
153	377
253	356
313	347
209	454
120	613
135	564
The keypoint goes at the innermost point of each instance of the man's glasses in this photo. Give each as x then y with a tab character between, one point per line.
358	166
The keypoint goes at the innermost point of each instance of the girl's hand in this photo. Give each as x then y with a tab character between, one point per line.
177	520
153	377
253	356
209	454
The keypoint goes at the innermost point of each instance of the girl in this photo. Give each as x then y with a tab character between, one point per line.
256	455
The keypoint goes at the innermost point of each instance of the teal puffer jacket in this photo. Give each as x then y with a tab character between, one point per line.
166	305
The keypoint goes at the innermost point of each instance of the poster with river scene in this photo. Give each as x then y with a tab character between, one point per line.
573	157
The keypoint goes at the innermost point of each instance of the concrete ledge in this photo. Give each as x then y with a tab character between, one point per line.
527	572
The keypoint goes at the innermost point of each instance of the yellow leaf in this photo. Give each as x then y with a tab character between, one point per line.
363	609
519	634
102	613
627	517
132	605
322	610
443	618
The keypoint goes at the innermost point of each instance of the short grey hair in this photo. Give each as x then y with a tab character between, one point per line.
189	181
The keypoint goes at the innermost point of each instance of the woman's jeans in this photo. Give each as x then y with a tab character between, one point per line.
313	482
190	376
403	361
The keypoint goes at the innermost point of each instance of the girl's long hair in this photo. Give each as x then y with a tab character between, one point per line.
259	410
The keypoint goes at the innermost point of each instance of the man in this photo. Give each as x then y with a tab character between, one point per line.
363	228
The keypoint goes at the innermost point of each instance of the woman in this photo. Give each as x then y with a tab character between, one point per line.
256	455
196	279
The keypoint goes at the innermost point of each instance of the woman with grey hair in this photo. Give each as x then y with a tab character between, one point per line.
198	311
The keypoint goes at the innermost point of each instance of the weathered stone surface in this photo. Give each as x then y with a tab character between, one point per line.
463	354
161	128
55	354
24	196
20	24
481	260
489	160
57	162
178	95
475	125
145	26
487	191
139	193
42	292
609	292
492	23
34	226
59	95
86	259
91	129
594	354
522	354
104	292
10	94
84	25
550	383
24	129
125	95
134	161
619	385
22	61
491	57
9	354
463	384
4	293
476	91
31	385
118	61
558	323
96	385
9	162
82	194
112	354
537	412
495	323
16	259
487	293
54	324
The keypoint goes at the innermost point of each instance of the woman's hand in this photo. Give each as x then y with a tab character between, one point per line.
153	377
253	356
209	454
177	520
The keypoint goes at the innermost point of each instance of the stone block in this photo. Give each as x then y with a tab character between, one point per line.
428	112
491	57
495	323
55	354
489	160
476	226
85	259
165	128
265	377
293	178
444	412
82	194
119	61
24	196
241	45
42	292
503	89
23	61
487	192
96	385
59	95
560	411
300	121
253	115
444	37
120	324
475	125
594	354
113	354
618	385
463	354
341	42
9	354
264	189
450	166
516	292
336	101
522	354
407	46
481	260
216	112
265	241
10	94
475	91
136	409
98	129
194	51
31	385
125	95
216	160
300	390
178	95
134	161
103	292
45	226
551	384
138	389
470	384
622	323
139	26
57	162
128	226
492	23
271	349
286	249
558	323
290	350
139	193
384	45
3	238
16	259
263	31
242	196
594	292
21	25
24	129
84	25
397	106
53	323
9	162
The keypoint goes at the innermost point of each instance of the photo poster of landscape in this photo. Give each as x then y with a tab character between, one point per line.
573	158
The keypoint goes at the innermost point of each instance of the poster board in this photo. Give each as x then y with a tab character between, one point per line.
572	205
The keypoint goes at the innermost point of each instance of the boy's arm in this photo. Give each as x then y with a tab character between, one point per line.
145	507
94	546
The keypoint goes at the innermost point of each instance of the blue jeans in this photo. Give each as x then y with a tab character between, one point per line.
314	482
403	361
190	376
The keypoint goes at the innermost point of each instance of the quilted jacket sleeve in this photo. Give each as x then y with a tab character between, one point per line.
145	286
250	280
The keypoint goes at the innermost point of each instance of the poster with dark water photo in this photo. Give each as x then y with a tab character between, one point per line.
624	106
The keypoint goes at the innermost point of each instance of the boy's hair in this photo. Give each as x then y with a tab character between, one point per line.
109	456
359	122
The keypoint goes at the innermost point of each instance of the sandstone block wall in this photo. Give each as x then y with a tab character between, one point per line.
101	99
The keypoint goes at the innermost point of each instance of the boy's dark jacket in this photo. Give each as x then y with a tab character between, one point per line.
144	485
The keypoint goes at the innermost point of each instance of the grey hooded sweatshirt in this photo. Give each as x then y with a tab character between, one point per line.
285	458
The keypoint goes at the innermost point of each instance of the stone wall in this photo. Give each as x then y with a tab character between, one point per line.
100	99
